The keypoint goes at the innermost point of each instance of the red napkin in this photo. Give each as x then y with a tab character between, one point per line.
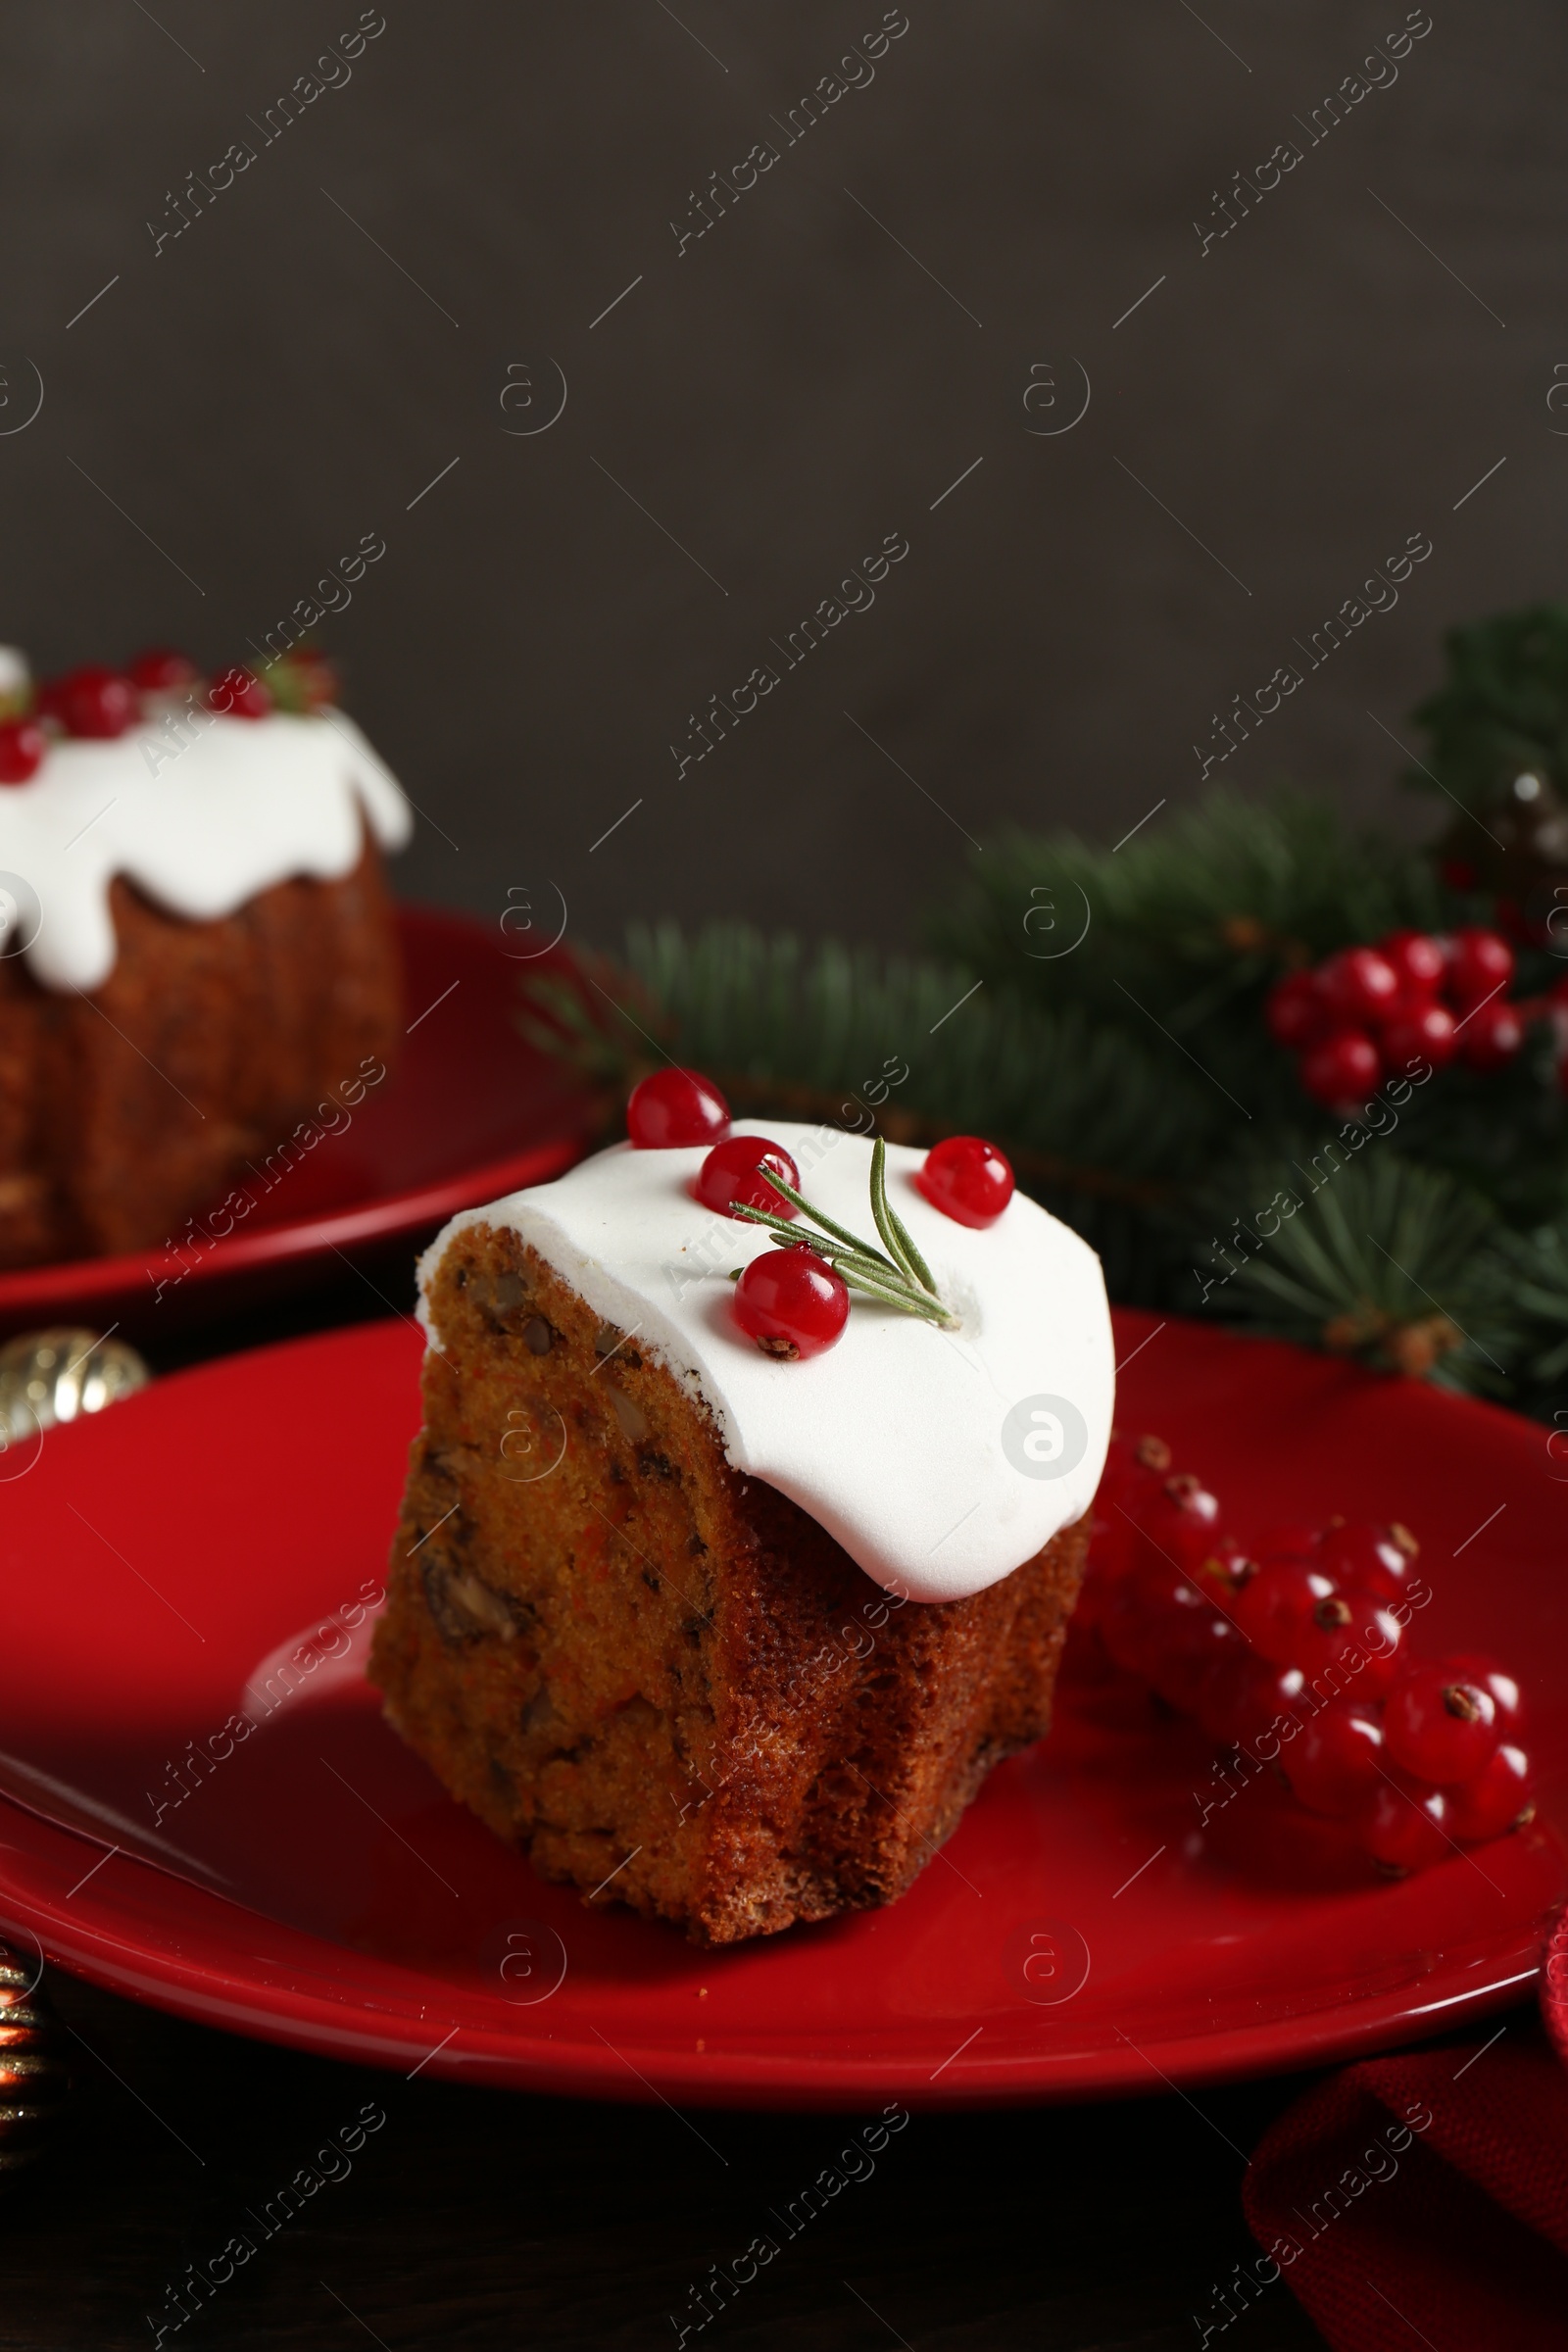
1420	2199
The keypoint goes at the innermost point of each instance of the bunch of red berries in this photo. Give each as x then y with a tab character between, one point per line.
100	704
1295	1653
1367	1013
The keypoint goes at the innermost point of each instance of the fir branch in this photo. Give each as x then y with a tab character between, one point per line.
580	1013
1112	1126
1385	1261
1537	1265
1205	907
1101	1128
1188	925
1503	710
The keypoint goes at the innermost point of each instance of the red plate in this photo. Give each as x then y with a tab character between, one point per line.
1081	1934
472	1111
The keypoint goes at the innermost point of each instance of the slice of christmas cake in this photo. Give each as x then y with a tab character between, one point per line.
748	1509
197	944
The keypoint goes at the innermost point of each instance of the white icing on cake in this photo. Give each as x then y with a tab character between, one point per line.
893	1439
200	813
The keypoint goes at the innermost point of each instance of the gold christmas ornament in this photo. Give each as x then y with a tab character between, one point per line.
35	2080
48	1377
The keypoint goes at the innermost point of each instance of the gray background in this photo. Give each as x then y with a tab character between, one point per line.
791	388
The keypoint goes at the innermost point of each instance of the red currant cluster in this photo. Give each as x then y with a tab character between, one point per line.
791	1301
1295	1650
1367	1013
100	704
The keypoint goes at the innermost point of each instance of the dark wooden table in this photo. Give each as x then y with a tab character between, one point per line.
478	2218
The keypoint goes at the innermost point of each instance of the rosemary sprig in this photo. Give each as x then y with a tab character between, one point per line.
899	1277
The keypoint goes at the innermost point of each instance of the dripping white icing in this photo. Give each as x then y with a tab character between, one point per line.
894	1438
244	804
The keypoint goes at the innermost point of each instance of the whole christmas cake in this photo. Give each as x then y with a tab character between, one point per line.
196	944
748	1509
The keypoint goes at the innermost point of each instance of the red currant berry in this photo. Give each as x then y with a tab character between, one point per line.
1373	1559
1406	1827
23	745
94	702
1355	1637
1356	1624
1243	1696
1439	1724
1335	1764
1181	1669
1296	1012
1496	1800
1144	1614
238	693
1177	1524
1219	1700
675	1106
968	1180
1421	1033
1129	1624
732	1173
1223	1570
1328	1639
1344	1068
1358	984
1480	965
1135	1469
1418	963
1132	1471
1503	1685
1132	1478
1490	1035
162	670
1288	1539
1154	1617
1274	1609
792	1303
